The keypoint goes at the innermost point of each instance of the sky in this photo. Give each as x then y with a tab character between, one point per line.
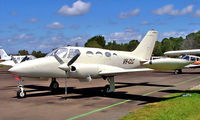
47	24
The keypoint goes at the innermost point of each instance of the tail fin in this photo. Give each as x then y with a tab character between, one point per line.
3	54
146	46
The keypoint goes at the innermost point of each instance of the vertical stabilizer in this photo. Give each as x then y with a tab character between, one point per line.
145	48
3	54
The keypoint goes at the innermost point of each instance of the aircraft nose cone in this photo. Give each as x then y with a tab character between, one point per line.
16	69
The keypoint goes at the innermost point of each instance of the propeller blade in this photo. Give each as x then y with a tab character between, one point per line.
59	59
73	59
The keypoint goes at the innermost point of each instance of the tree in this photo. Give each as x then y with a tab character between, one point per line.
38	54
96	41
132	45
23	52
158	49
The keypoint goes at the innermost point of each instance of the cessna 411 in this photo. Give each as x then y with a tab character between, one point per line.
85	64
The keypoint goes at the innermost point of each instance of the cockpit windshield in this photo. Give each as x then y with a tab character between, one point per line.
73	52
61	52
186	57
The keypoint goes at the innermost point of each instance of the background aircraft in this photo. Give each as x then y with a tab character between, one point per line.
12	60
17	59
85	64
183	52
4	55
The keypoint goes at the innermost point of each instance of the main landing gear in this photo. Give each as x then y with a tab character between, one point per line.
54	86
179	71
111	87
21	93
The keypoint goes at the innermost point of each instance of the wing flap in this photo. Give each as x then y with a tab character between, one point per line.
123	71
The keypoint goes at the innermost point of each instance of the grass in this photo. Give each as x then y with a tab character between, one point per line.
3	66
177	107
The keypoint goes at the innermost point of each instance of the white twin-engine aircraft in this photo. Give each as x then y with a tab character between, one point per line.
85	64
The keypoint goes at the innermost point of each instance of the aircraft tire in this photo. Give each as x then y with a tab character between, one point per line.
106	90
54	86
21	94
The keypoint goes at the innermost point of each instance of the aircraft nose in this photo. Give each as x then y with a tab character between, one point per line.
17	69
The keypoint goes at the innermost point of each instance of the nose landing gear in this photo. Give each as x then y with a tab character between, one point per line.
21	93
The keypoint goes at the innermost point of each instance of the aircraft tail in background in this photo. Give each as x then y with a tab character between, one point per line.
4	55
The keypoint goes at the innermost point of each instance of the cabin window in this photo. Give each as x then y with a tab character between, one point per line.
197	59
99	54
192	58
73	52
89	53
114	54
107	54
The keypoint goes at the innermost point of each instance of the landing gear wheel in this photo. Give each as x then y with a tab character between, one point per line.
21	94
106	90
54	86
180	71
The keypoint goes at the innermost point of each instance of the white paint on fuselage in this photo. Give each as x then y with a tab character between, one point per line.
48	66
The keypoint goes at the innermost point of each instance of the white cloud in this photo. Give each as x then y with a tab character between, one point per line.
197	13
129	13
23	36
172	34
13	13
32	20
169	10
127	35
145	23
75	27
55	25
78	8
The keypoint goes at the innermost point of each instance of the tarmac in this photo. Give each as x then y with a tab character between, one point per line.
86	101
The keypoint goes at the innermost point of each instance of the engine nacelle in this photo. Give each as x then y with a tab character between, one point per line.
84	71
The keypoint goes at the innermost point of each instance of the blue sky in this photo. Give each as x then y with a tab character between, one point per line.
47	24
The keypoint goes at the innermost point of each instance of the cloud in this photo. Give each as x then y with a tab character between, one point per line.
13	13
23	36
127	35
55	25
197	13
75	27
145	23
78	8
32	20
128	14
172	34
169	10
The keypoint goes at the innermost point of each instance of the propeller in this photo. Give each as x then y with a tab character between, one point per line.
66	66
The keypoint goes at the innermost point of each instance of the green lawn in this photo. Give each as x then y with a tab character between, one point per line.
3	66
178	107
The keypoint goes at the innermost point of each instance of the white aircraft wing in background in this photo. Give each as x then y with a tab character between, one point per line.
183	52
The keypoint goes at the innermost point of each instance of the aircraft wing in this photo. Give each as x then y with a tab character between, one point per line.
122	71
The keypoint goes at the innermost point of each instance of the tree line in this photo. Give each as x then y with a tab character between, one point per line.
192	41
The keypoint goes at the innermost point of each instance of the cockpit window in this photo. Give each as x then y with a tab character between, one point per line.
73	52
61	52
186	57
